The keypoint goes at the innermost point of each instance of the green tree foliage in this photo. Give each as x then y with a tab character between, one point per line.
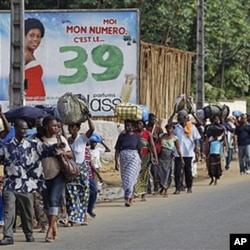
227	36
173	23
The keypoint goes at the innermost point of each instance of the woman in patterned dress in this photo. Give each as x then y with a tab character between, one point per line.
128	160
166	158
148	147
77	189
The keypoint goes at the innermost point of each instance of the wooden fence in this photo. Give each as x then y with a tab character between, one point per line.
165	73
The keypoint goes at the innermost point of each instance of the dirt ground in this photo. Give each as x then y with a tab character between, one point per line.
112	177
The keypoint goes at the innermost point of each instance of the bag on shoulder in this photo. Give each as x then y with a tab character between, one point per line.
69	168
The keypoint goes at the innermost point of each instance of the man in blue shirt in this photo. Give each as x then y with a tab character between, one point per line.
23	172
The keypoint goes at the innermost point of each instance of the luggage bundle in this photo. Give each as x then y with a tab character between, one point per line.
27	113
208	112
211	110
130	111
225	110
237	113
183	102
145	113
72	108
214	130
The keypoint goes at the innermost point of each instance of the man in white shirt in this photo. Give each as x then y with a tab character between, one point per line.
188	136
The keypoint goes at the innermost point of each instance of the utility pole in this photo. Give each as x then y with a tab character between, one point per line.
16	90
200	56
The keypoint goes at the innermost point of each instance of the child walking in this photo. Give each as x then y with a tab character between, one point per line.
214	159
96	153
92	186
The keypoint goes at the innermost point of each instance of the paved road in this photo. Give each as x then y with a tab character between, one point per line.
201	220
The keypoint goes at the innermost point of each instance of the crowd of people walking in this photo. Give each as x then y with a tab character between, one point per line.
175	151
32	171
34	185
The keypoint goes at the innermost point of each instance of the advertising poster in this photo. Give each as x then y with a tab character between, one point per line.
93	53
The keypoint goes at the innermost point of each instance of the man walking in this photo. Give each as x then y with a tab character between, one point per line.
24	176
188	136
242	139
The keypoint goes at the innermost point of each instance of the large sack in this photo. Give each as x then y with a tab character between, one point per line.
72	109
189	104
27	113
225	110
200	116
183	102
128	111
214	130
211	110
180	103
51	111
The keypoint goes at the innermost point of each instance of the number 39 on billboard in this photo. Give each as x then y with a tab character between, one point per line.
93	53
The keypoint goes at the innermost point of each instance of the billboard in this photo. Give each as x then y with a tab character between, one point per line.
93	53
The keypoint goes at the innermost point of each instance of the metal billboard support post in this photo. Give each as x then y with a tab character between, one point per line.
16	90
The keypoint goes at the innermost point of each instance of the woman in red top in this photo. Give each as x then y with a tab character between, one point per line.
34	32
148	147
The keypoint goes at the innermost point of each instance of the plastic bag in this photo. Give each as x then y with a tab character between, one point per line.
145	113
